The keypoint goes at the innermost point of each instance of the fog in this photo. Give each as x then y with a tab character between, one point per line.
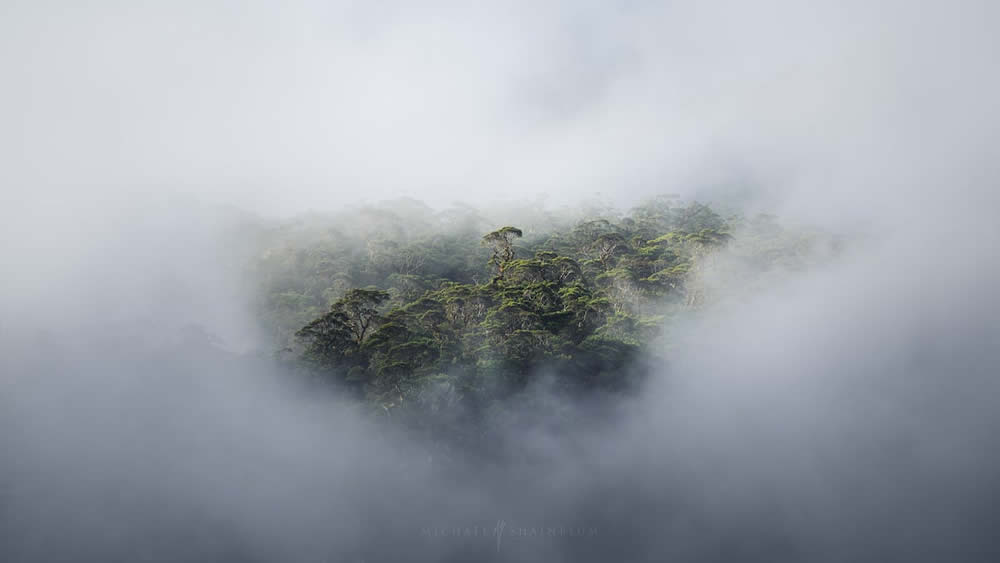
841	413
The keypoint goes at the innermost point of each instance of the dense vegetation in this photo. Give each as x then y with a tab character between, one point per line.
440	312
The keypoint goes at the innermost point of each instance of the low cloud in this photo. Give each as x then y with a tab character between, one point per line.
844	411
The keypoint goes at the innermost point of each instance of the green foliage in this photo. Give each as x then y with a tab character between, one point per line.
336	339
501	245
420	312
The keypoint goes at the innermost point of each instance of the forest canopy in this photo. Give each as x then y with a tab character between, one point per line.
422	311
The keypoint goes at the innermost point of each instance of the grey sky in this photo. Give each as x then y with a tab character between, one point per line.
286	106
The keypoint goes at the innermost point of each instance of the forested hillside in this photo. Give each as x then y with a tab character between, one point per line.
418	311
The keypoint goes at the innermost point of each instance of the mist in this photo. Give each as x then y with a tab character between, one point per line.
844	411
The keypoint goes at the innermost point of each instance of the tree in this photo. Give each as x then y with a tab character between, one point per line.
360	309
586	232
336	337
606	246
707	240
501	244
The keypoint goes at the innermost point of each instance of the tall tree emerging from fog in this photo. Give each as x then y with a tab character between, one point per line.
501	244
